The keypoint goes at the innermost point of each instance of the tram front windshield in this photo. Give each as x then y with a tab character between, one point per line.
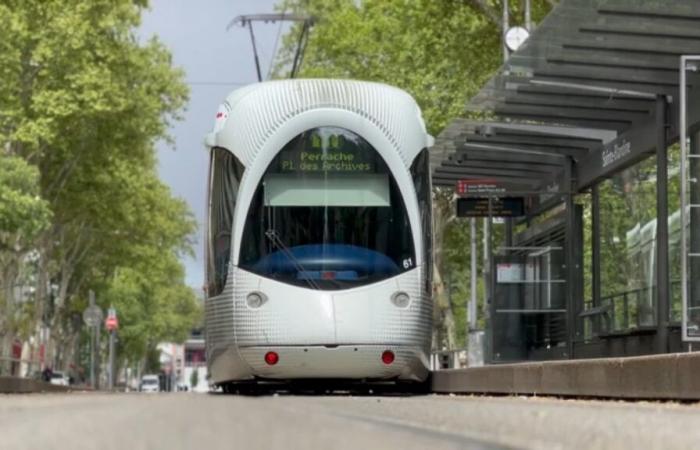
327	214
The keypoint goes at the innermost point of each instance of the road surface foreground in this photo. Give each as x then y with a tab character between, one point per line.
192	421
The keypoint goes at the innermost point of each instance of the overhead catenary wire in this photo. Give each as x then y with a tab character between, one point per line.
246	20
217	83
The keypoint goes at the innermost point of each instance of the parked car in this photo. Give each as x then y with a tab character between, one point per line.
149	383
59	378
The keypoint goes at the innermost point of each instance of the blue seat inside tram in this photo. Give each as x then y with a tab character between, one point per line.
328	262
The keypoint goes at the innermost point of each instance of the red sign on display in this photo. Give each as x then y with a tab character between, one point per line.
111	323
479	186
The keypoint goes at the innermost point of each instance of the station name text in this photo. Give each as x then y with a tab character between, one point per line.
337	161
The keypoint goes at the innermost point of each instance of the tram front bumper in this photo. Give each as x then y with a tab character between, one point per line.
340	362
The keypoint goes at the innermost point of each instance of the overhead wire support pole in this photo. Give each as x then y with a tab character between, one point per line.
247	20
297	55
255	50
528	16
303	47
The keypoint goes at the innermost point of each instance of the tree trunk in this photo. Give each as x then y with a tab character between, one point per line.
444	333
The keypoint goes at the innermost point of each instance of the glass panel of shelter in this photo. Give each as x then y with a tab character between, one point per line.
692	209
689	209
628	247
528	295
529	300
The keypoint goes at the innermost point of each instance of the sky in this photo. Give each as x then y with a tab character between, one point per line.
216	62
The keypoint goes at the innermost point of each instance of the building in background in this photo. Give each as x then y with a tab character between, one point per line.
179	362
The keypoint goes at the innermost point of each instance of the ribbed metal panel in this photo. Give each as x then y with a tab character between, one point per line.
292	315
218	318
259	111
359	316
417	321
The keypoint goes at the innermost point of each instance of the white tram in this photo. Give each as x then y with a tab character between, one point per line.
318	246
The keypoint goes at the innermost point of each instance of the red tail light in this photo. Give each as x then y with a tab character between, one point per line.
271	358
388	357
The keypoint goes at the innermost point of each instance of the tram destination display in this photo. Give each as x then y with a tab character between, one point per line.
326	150
500	207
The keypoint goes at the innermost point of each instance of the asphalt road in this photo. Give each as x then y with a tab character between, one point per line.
215	421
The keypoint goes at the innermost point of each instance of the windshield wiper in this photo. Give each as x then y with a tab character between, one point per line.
277	242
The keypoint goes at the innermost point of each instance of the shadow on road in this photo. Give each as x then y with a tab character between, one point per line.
325	388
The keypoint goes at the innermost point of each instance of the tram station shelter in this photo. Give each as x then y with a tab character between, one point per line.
586	168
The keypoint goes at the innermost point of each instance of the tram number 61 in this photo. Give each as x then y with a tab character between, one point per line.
408	263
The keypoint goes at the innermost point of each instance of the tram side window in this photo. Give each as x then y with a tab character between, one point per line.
420	171
225	177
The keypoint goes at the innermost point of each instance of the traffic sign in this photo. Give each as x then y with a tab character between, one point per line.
111	323
92	316
515	37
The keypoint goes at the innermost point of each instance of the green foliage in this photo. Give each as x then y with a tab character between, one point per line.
153	305
83	102
23	213
439	51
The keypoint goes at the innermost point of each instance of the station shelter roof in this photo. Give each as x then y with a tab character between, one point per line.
585	89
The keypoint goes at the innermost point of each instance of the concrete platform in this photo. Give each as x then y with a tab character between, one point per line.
15	385
670	376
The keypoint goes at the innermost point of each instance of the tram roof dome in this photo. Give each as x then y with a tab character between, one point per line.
251	114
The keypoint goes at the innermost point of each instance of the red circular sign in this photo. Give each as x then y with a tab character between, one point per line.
111	323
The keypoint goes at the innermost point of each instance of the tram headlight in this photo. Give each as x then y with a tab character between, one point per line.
400	299
255	299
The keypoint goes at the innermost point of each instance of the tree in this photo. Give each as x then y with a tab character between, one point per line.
23	216
84	101
441	52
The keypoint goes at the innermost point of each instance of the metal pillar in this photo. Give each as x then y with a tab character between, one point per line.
504	30
98	358
489	306
93	344
570	261
595	253
110	382
509	232
528	16
662	283
474	337
471	313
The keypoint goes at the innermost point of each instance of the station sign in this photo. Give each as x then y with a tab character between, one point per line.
499	207
480	187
